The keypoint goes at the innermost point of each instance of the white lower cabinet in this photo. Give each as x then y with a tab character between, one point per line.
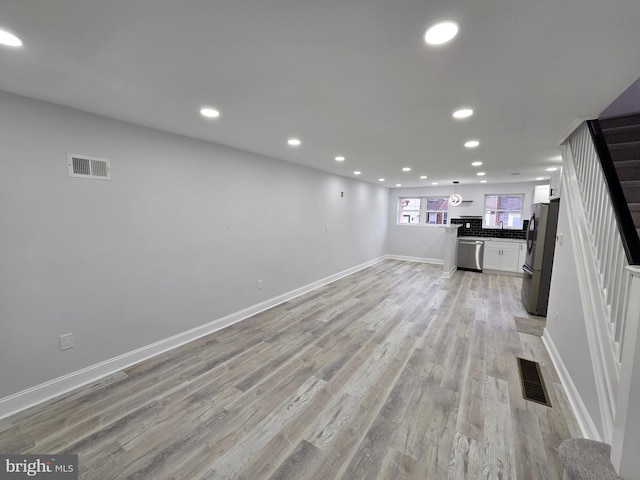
503	256
522	256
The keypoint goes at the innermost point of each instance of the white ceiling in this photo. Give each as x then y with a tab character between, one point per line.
350	77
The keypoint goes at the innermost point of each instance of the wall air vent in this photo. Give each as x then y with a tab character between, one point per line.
89	167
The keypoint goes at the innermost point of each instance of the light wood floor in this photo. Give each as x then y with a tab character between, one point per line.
390	373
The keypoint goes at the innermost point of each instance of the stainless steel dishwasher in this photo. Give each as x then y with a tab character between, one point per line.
470	255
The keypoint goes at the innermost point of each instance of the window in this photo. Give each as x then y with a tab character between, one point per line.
437	210
423	211
503	211
409	210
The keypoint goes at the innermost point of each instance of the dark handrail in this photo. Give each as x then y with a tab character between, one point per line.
624	220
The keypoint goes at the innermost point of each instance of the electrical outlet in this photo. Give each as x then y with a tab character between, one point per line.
66	341
259	284
467	225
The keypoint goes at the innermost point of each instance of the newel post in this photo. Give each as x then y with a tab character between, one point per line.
625	455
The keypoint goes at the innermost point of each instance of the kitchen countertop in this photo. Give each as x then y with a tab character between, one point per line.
494	239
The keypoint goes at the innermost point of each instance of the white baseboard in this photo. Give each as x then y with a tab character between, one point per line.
450	273
61	385
403	258
587	427
502	272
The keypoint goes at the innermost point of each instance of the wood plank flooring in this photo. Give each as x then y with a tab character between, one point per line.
390	373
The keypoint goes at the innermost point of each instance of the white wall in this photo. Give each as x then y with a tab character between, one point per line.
177	239
427	242
566	328
628	102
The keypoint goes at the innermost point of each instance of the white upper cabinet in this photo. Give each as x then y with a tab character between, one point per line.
541	193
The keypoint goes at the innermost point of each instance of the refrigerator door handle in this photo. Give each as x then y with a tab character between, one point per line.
530	232
527	269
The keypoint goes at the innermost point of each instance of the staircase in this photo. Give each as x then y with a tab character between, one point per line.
601	194
622	135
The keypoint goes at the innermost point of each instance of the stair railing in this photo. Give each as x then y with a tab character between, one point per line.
625	224
601	265
606	242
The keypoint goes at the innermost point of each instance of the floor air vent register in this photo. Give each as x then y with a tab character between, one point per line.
533	388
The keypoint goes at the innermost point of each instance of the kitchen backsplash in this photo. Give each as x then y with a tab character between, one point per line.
475	229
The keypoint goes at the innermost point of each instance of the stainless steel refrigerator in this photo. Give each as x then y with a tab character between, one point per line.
541	243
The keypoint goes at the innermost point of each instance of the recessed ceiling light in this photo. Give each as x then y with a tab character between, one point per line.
406	169
357	172
209	112
551	169
381	179
422	177
9	39
540	178
462	113
483	181
476	164
481	174
434	183
471	143
398	184
339	158
441	32
294	142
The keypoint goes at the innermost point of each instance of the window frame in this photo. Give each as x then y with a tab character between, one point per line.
498	211
423	213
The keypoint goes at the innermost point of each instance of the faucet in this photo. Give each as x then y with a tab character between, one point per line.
501	225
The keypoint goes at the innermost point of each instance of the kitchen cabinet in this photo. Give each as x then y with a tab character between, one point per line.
522	256
556	182
502	256
541	193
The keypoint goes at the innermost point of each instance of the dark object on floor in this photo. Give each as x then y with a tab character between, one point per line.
532	384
